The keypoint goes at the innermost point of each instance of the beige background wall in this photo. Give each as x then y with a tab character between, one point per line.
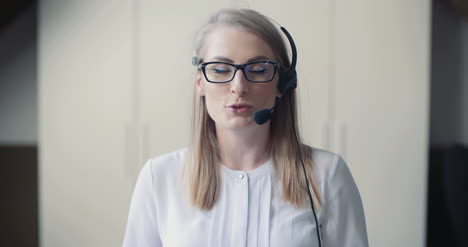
110	99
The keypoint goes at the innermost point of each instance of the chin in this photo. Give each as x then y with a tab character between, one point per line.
239	123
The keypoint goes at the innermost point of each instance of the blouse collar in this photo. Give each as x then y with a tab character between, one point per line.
261	171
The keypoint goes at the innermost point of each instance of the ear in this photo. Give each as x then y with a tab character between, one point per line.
199	84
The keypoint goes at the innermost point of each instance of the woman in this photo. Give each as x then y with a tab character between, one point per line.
241	183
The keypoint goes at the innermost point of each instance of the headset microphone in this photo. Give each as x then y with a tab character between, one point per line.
264	115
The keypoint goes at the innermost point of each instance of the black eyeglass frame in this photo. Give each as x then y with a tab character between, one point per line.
237	67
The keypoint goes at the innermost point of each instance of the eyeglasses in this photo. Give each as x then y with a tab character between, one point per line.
221	72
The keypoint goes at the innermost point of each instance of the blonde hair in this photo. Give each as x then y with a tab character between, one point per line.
203	164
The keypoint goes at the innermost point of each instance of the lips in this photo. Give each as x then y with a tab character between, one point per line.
238	108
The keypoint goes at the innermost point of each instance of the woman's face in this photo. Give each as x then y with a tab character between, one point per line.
232	105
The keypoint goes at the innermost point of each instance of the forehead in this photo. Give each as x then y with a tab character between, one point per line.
236	44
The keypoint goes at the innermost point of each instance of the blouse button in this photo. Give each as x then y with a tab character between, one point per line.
241	176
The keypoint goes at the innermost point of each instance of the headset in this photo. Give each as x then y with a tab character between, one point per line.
287	82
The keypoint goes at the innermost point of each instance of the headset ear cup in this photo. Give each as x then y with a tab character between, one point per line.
292	80
287	81
283	81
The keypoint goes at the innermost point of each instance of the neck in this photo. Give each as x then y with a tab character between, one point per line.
244	149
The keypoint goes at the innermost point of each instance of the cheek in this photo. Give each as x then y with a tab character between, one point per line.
268	94
213	91
214	96
272	96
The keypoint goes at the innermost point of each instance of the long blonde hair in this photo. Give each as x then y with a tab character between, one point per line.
203	164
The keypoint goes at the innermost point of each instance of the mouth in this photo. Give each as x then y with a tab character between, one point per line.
238	108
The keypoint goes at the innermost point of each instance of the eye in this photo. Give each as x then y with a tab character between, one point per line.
258	71
220	71
257	68
219	68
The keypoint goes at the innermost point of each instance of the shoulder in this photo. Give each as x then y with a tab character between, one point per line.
330	171
325	162
167	164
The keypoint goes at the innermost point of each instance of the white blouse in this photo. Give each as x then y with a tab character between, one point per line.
249	211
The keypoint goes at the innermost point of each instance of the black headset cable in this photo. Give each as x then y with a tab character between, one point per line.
307	181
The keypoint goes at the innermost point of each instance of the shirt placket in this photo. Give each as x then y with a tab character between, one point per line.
241	210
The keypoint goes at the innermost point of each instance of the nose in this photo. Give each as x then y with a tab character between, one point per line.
239	85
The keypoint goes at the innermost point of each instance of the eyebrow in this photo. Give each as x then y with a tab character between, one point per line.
228	60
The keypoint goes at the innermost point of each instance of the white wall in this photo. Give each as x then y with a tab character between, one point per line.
85	84
18	81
